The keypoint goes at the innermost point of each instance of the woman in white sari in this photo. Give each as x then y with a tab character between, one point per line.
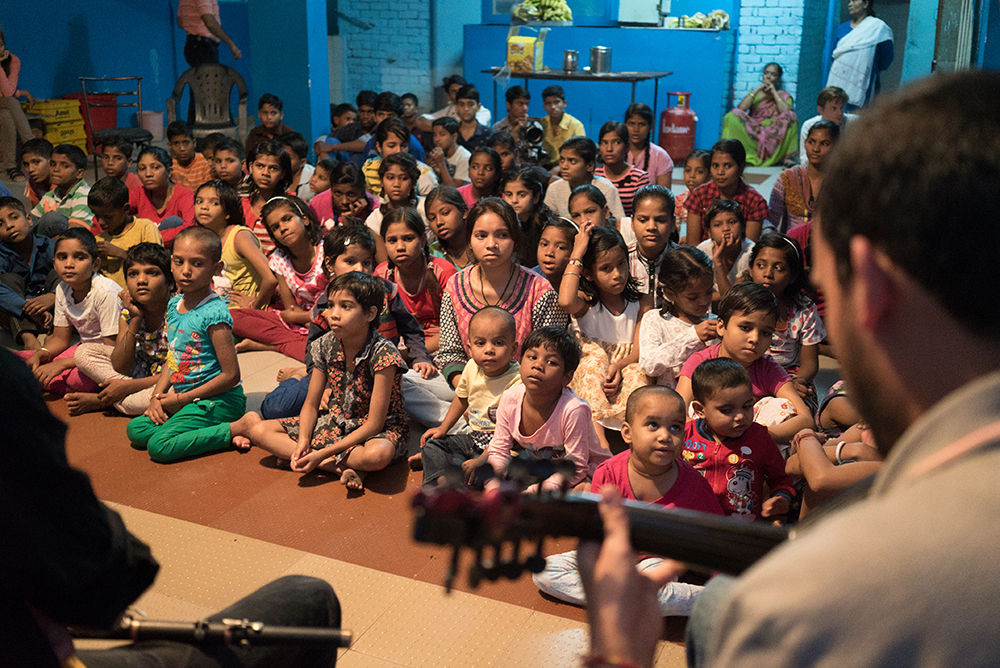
864	48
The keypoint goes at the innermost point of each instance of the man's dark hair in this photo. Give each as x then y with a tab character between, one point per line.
366	98
517	93
467	92
450	81
747	298
449	124
179	129
389	102
720	373
296	142
366	289
921	162
108	192
41	147
74	153
152	254
557	339
410	96
113	141
268	98
339	110
554	91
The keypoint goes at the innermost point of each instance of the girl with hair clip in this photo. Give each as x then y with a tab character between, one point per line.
345	199
399	174
776	263
247	280
297	262
494	279
484	173
523	192
168	205
446	210
600	294
270	175
728	161
626	178
554	248
419	276
683	325
642	152
726	244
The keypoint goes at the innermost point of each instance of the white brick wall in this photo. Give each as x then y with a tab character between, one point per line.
394	55
770	30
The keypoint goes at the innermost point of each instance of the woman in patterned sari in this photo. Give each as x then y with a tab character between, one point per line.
764	121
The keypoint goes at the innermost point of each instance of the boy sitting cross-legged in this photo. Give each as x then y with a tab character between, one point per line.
66	203
651	470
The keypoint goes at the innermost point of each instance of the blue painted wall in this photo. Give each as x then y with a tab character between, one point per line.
111	38
700	60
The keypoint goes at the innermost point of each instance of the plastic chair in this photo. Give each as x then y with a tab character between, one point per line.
139	136
211	85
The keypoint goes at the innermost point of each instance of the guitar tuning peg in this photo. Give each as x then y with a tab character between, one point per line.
536	562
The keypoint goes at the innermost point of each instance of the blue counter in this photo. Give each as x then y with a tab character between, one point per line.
701	62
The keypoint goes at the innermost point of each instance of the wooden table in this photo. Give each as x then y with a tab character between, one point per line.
583	75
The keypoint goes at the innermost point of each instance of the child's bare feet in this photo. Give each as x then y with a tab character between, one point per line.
291	372
352	479
239	431
416	462
246	345
83	402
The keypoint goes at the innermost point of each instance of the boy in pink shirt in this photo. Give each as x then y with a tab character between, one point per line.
735	454
652	471
543	414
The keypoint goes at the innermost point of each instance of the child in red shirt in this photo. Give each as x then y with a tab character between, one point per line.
735	454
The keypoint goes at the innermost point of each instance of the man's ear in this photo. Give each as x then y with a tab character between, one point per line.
698	408
873	284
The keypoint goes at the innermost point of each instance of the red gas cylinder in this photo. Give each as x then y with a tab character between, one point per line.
677	128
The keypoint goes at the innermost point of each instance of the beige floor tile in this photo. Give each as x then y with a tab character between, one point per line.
670	655
365	594
254	362
547	641
205	566
258	371
425	628
353	659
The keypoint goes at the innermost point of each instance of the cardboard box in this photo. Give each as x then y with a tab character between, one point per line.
54	110
525	53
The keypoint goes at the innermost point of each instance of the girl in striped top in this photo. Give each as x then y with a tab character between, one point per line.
614	150
270	175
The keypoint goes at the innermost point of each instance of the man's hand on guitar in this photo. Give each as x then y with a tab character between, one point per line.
622	607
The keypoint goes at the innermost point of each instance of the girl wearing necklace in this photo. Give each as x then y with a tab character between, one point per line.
419	277
493	279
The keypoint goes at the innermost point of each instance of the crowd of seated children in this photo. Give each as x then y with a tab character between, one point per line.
270	111
554	247
726	244
126	372
65	203
34	157
168	205
27	276
340	115
728	160
472	133
246	281
390	105
601	296
391	137
525	194
108	200
452	84
449	161
346	199
347	142
190	168
557	125
116	159
297	264
651	470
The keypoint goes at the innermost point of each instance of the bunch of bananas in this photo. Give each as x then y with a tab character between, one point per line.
550	10
717	20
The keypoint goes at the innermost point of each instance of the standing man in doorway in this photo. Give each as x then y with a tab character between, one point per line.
200	20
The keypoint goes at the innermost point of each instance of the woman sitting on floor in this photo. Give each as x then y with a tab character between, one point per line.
764	121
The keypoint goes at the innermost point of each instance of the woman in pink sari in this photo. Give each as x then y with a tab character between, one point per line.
764	121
